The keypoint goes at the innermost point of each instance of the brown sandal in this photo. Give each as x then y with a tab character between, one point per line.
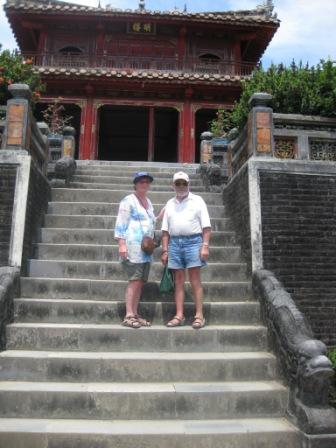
131	322
143	322
176	322
198	323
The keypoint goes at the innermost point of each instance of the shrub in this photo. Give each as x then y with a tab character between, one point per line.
295	89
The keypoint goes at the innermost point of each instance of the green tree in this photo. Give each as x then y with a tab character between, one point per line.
15	69
295	89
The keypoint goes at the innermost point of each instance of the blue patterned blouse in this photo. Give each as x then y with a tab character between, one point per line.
133	222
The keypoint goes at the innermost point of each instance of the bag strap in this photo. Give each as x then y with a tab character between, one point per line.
138	216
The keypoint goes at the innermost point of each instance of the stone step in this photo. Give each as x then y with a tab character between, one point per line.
239	433
154	367
110	252
128	187
165	175
115	401
164	180
106	236
131	169
136	163
108	208
80	337
78	195
113	270
113	312
86	289
108	222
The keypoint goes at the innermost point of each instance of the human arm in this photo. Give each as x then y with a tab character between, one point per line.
204	251
121	227
206	230
164	243
161	214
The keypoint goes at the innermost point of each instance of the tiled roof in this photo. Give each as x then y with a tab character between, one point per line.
162	76
260	15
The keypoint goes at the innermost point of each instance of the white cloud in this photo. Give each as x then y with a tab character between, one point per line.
307	31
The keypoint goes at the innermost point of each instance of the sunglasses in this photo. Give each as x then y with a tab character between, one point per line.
181	184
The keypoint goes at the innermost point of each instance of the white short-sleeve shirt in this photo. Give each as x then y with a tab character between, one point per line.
185	218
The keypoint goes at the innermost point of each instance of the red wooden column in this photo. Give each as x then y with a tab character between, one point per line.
186	153
181	49
100	40
95	130
42	41
87	130
151	134
236	52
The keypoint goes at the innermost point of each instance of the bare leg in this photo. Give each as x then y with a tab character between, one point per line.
132	296
195	280
179	278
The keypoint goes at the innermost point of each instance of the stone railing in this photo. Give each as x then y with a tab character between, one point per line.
25	189
2	122
303	359
21	131
282	136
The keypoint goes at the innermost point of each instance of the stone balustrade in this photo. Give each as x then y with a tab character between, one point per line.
281	136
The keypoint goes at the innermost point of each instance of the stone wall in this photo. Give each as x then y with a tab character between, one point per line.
37	204
236	201
9	286
7	190
298	213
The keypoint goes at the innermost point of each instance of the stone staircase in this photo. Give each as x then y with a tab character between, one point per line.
73	377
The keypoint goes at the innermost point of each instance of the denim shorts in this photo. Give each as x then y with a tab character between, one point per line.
184	252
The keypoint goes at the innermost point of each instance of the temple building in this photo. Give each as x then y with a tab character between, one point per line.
140	84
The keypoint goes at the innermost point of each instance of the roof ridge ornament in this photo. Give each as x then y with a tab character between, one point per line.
267	6
142	6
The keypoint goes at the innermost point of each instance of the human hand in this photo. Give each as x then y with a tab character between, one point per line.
204	253
122	251
164	257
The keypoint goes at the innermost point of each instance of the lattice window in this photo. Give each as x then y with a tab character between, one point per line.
323	150
285	147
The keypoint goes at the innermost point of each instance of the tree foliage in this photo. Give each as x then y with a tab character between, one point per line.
296	89
15	69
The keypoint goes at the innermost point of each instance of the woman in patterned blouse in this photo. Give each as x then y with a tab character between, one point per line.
135	219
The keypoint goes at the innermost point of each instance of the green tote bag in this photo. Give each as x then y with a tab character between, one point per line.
167	281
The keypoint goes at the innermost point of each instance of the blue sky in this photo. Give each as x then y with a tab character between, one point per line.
307	31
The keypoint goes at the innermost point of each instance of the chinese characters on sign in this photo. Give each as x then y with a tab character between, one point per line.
141	27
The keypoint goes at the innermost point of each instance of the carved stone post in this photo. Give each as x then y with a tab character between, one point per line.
18	118
260	126
69	143
65	167
206	147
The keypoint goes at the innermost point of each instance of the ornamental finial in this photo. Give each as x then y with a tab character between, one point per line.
267	6
141	5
